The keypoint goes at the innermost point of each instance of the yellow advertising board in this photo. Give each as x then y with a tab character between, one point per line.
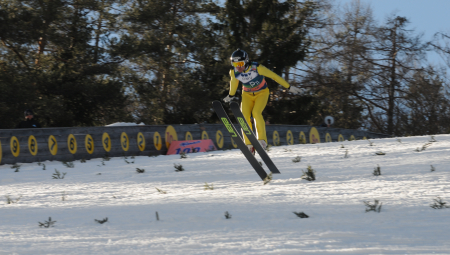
302	138
219	139
72	144
124	141
188	136
52	145
106	141
289	137
328	138
89	144
32	145
276	138
171	135
157	141
141	141
314	136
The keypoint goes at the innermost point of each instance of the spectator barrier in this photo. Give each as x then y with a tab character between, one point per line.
68	144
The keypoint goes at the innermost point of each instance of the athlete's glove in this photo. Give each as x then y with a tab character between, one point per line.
295	90
228	99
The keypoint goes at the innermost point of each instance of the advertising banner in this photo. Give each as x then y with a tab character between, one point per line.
177	147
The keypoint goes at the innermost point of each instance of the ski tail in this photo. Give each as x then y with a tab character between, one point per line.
251	136
223	116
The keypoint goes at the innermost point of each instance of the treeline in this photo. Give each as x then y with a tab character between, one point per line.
96	62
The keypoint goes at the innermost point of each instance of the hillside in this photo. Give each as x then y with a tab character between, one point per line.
192	221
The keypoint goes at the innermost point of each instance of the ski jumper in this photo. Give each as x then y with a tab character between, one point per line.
255	94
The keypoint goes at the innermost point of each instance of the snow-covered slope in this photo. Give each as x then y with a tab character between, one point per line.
191	219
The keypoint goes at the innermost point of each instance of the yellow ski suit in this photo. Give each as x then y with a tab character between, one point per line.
255	94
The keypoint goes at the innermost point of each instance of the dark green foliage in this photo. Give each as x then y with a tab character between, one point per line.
377	171
332	97
429	106
439	204
106	157
208	187
375	207
9	200
128	162
296	111
297	159
173	53
47	224
432	168
278	29
309	175
275	34
346	154
301	214
268	178
161	191
178	167
102	221
58	175
54	59
424	147
16	166
68	164
95	62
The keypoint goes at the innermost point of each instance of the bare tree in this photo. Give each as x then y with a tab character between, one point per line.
339	70
397	55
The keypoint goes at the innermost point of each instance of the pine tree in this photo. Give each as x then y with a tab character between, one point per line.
174	70
60	49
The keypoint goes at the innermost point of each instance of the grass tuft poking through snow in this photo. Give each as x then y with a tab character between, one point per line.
310	174
375	207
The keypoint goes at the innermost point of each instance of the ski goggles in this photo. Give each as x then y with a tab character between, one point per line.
238	64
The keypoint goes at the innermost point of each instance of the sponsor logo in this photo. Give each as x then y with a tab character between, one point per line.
247	77
189	143
228	127
244	126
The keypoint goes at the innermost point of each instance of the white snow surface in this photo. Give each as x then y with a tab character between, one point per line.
191	219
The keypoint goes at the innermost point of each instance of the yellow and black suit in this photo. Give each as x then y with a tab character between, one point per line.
255	94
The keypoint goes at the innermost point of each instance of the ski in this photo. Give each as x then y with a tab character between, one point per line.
223	116
251	136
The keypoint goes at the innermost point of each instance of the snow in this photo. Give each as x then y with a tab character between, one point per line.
191	219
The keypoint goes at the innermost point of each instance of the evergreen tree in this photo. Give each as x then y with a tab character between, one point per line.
172	50
275	34
60	50
428	109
